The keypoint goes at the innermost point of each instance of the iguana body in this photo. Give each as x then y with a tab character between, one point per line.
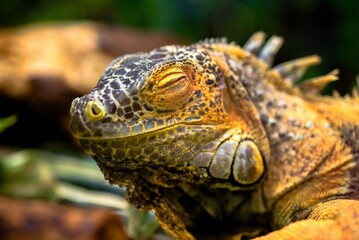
220	145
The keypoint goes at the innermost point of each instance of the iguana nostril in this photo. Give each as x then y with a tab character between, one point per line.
94	111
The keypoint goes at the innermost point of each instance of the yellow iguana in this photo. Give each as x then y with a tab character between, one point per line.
220	145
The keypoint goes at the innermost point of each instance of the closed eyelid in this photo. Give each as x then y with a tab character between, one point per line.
171	78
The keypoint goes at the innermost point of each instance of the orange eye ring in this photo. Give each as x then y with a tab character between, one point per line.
168	88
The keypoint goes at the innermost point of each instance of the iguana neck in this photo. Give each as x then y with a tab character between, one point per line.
303	131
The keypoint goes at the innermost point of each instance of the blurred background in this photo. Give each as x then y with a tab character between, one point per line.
326	27
54	51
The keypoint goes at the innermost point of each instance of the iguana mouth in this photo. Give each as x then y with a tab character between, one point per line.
138	130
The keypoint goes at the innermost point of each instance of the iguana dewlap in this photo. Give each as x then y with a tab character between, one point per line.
221	145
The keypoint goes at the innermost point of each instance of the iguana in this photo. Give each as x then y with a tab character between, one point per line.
223	146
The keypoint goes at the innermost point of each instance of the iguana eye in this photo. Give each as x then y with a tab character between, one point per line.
172	86
171	78
167	90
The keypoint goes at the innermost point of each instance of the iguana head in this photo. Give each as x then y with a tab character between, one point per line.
170	116
183	128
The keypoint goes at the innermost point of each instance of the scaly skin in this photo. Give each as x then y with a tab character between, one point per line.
221	146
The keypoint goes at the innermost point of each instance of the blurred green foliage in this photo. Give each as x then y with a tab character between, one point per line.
36	174
325	27
7	122
57	177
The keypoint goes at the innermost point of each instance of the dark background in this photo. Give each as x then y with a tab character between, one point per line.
328	28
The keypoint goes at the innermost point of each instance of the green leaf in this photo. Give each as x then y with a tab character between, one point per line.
7	122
